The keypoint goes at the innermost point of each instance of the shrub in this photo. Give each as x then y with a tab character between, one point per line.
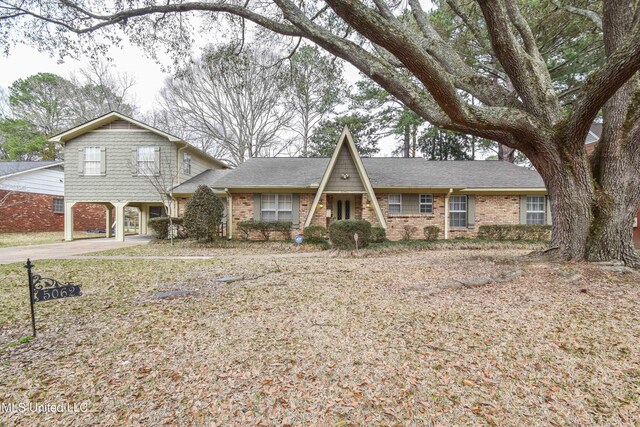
409	231
431	232
315	234
203	214
266	228
378	235
283	227
245	228
515	232
160	227
341	233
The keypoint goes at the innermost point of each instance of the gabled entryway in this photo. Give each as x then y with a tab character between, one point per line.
345	186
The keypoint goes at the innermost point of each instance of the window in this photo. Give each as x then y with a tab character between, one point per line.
157	211
58	205
276	207
92	161
186	164
426	203
395	203
146	161
458	211
535	209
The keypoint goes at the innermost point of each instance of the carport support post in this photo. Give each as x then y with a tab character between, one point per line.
142	219
446	214
68	220
109	221
119	207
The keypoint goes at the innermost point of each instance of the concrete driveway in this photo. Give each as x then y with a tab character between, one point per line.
65	249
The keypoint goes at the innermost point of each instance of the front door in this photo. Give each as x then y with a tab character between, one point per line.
343	206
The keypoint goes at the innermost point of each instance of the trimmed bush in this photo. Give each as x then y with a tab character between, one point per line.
266	228
315	234
203	214
431	232
245	228
378	235
284	228
409	231
160	227
341	233
515	232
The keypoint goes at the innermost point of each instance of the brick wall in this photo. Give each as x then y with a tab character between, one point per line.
31	212
488	210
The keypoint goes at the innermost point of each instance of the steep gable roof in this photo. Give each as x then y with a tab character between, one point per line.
346	140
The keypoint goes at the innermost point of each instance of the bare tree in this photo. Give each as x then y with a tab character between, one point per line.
594	198
100	88
235	100
163	176
317	87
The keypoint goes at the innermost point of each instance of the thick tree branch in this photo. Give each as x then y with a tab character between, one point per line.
620	66
589	14
528	75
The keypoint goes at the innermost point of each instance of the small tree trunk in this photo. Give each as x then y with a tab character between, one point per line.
406	149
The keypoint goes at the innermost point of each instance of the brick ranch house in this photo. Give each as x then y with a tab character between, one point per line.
32	199
456	196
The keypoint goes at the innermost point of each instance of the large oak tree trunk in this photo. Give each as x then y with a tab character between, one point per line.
571	198
616	176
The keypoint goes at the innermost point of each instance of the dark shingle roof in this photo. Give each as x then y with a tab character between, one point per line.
205	178
384	172
9	168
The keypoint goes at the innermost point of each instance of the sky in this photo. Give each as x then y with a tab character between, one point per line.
24	61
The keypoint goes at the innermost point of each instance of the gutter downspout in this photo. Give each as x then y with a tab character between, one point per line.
446	214
229	214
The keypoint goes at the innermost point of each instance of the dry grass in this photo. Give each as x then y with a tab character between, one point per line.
39	238
328	341
184	247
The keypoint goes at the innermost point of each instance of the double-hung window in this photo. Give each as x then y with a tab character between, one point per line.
458	211
92	161
426	203
146	161
186	163
276	207
58	205
535	209
395	203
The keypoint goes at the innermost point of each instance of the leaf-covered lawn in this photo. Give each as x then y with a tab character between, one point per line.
380	340
39	238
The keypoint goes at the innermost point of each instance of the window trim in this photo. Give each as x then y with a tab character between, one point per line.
186	165
543	211
399	203
154	171
85	162
53	205
458	211
276	209
421	203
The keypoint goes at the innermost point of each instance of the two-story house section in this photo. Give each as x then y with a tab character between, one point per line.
117	161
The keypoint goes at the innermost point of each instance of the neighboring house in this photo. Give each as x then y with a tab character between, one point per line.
32	199
595	133
117	161
456	196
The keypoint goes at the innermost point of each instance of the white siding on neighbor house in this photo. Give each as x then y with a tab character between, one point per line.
119	181
43	181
